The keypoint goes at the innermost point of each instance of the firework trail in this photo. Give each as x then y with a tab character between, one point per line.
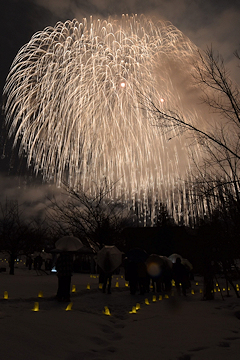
73	101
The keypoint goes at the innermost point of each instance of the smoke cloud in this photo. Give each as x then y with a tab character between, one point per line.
32	199
205	23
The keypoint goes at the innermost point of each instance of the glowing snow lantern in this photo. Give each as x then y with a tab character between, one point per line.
69	307
5	295
74	288
117	284
40	294
146	301
160	297
36	306
106	311
166	296
134	311
100	286
138	306
154	299
192	292
88	286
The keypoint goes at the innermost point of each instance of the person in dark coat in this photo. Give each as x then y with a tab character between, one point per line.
143	278
167	276
38	261
64	267
29	262
131	275
180	276
107	274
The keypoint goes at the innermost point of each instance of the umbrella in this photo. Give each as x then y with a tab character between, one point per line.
112	254
137	255
69	243
46	255
174	257
187	263
85	250
167	262
155	263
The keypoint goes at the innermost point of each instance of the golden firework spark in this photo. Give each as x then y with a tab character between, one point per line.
73	101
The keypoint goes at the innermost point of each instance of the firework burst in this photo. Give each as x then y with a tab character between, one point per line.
72	101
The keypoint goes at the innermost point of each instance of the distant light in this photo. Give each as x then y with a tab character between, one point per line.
123	84
162	100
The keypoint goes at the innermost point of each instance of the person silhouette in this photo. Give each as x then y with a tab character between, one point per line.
64	267
107	275
180	276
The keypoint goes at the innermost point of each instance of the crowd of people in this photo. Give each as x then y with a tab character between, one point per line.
140	279
136	273
38	263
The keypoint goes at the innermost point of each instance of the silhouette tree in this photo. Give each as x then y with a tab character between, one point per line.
95	219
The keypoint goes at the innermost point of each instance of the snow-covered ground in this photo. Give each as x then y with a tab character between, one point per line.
167	329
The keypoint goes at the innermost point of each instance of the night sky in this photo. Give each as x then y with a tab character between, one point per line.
206	23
